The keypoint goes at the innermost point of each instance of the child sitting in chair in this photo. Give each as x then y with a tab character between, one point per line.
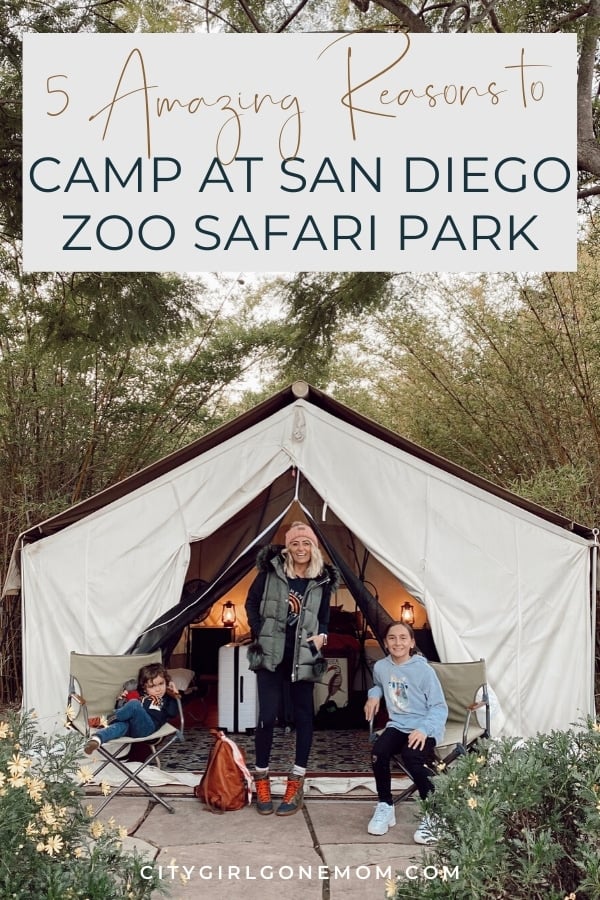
141	717
417	712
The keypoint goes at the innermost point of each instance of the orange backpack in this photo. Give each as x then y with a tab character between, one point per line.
226	783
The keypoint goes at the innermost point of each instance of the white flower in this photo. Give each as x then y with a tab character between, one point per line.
18	765
85	774
54	844
97	829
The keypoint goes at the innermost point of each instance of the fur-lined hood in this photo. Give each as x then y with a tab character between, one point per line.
271	551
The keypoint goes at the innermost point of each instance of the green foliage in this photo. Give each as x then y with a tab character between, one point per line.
318	305
102	374
51	847
519	819
500	374
569	487
266	15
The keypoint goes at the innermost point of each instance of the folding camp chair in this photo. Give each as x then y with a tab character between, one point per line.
94	684
465	688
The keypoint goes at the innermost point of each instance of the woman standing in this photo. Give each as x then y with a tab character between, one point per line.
288	612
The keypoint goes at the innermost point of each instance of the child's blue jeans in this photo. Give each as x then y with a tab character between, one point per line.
131	719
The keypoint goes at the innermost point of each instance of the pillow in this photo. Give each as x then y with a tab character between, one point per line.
182	678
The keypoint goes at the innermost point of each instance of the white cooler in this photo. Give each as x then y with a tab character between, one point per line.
237	694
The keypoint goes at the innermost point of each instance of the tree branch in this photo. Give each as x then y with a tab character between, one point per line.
592	191
407	18
588	151
250	16
295	12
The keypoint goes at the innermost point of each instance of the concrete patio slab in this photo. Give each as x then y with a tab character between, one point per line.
194	825
321	853
129	812
251	870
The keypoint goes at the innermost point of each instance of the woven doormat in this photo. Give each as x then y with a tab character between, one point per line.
333	752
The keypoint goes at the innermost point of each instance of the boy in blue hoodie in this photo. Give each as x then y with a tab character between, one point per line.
417	713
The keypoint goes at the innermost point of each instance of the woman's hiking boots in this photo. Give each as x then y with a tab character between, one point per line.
293	799
264	803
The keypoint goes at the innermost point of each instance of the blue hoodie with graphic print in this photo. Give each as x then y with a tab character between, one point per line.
413	696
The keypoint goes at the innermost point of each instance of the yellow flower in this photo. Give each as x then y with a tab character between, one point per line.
2	778
390	888
17	781
473	779
471	802
481	759
85	774
105	788
111	824
185	878
5	730
54	844
595	727
440	766
35	786
78	852
89	810
47	814
71	713
122	832
31	829
96	829
40	847
18	765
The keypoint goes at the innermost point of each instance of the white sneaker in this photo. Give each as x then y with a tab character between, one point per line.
383	818
426	832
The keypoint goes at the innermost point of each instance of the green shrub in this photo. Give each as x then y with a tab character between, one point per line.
51	847
519	820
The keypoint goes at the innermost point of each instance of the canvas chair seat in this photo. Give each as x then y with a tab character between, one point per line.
162	732
454	736
465	688
95	682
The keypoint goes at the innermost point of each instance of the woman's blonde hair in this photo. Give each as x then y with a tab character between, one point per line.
315	566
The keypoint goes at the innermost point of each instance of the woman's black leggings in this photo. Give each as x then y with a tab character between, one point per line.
270	697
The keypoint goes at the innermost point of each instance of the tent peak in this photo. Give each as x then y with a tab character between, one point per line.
301	389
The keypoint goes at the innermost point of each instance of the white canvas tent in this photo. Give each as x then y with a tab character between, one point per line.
500	578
